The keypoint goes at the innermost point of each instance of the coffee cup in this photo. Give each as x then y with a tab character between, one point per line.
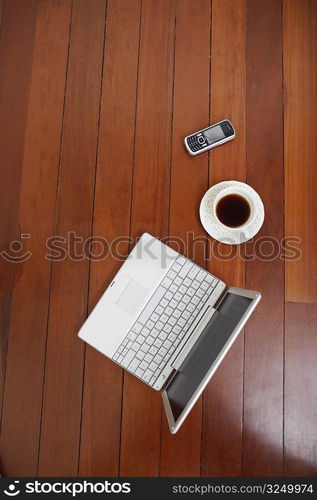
232	212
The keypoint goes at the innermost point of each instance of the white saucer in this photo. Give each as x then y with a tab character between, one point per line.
220	232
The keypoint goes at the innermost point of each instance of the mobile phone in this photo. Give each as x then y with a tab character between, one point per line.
209	137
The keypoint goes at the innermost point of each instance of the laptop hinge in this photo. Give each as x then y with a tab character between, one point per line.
197	329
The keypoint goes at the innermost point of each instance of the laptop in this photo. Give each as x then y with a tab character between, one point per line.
169	322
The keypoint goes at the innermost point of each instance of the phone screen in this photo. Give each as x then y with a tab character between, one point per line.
214	134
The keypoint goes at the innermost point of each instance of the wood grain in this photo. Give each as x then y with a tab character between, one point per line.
94	105
263	385
62	400
101	421
180	453
15	52
141	418
300	439
29	308
300	139
223	398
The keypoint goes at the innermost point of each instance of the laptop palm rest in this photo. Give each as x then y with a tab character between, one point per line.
189	381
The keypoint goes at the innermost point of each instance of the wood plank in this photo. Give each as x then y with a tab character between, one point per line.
223	398
263	387
300	105
141	419
62	400
300	458
28	320
1	12
101	420
180	453
15	52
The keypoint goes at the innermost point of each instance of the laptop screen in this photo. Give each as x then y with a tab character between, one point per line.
213	338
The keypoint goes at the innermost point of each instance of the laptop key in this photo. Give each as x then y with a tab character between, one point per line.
164	318
178	281
162	335
173	288
205	285
171	274
147	376
164	303
145	347
181	322
177	313
167	282
159	325
181	260
177	329
159	310
193	272
137	327
133	365
132	336
158	343
191	308
153	366
153	379
140	354
195	284
151	305
177	267
158	358
185	269
155	317
150	324
128	358
201	275
162	351
210	278
139	372
195	300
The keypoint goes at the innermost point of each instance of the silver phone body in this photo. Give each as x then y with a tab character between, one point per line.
209	146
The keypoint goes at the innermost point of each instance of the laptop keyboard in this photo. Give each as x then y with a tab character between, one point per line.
165	320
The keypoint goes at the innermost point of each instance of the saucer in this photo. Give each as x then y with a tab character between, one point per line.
220	232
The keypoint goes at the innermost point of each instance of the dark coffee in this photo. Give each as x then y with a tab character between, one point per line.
233	210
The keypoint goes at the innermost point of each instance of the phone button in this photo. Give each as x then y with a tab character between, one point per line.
201	140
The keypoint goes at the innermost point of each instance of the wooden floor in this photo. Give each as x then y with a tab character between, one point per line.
95	99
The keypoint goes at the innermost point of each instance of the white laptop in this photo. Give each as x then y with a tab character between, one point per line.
168	322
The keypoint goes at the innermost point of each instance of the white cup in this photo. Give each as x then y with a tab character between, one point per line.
248	196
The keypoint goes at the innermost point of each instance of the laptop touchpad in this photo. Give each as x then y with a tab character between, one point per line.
132	295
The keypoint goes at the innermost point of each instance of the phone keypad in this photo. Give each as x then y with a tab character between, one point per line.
197	142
